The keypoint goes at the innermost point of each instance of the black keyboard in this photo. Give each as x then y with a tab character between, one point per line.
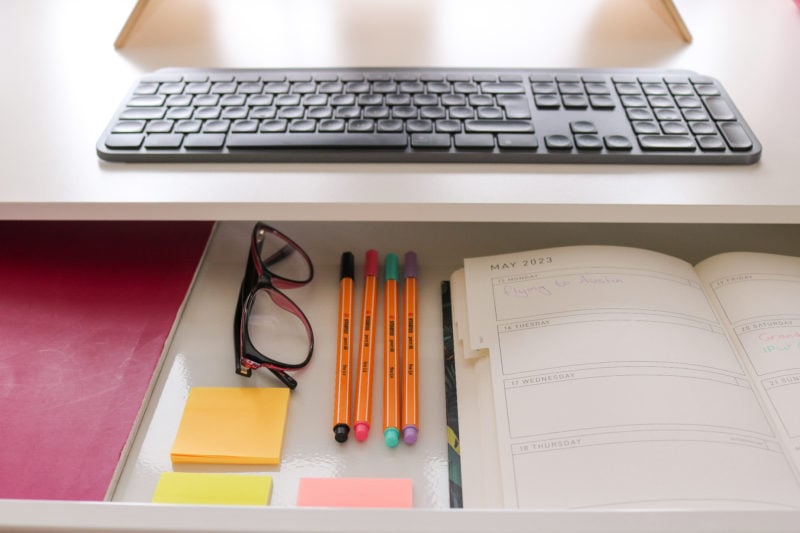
429	115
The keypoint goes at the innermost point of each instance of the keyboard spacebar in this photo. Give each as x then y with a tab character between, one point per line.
317	140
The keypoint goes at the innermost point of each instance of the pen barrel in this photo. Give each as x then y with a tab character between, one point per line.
366	352
344	342
410	408
391	358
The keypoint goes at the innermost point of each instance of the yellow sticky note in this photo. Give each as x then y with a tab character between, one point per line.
213	489
230	425
355	492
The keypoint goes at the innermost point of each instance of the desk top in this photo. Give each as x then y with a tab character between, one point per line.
64	79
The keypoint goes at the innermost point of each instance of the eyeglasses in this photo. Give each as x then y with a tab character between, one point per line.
269	329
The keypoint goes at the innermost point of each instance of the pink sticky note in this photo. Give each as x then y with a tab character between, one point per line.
355	492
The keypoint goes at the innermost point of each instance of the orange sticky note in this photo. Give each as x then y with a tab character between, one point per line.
230	425
355	492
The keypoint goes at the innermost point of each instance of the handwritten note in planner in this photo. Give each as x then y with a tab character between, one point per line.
213	489
610	369
229	425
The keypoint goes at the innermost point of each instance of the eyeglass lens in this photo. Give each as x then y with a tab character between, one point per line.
281	258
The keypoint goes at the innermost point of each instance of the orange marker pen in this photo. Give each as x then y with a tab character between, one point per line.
391	357
410	410
344	341
366	353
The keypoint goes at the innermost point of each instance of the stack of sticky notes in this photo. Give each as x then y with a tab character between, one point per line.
231	425
355	492
213	489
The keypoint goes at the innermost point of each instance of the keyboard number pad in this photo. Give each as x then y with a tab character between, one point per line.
679	114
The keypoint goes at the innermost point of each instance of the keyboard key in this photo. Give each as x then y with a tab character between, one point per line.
205	141
273	126
498	126
287	100
244	126
718	108
641	113
419	126
142	113
129	126
461	112
597	88
674	128
514	106
125	141
216	126
544	88
711	143
703	128
302	125
163	140
262	112
582	126
430	140
361	125
558	142
481	100
332	125
517	141
207	113
390	126
617	143
154	100
448	126
570	88
681	89
695	114
643	126
633	101
707	89
547	101
628	88
482	141
234	112
490	112
588	142
575	101
601	101
684	143
458	99
397	99
668	114
735	136
432	112
317	140
404	112
180	113
688	101
159	126
188	126
502	88
660	101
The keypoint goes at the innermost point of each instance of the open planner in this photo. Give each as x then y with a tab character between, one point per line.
611	377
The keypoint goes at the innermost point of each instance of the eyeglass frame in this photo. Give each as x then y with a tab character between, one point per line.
258	277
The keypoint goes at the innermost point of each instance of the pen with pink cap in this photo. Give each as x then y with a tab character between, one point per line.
366	354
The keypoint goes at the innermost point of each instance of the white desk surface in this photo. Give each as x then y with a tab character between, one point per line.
63	80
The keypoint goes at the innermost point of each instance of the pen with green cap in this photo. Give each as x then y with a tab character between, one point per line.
391	361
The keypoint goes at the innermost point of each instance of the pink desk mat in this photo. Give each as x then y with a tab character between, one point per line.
85	310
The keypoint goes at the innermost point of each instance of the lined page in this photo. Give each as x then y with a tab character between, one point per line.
615	386
759	299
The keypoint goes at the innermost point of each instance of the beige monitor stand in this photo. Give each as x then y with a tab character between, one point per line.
141	5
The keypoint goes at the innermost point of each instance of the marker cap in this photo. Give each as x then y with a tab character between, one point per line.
410	434
348	268
391	267
410	265
371	263
391	437
340	432
361	430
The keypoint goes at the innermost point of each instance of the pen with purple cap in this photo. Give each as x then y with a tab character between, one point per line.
410	412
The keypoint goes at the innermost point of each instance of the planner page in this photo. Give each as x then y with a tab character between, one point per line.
759	298
615	386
